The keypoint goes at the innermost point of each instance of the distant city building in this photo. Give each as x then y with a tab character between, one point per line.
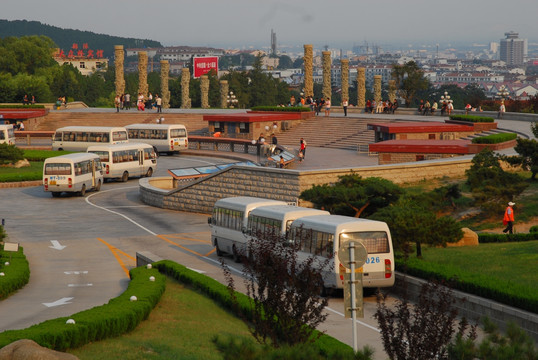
176	53
273	42
513	49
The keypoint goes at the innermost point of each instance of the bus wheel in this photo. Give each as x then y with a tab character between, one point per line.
219	251
56	194
83	190
125	176
98	186
150	172
235	255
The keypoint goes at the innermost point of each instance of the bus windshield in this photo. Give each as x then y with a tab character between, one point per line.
58	169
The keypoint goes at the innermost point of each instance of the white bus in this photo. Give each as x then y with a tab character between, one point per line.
78	138
7	134
167	138
322	236
76	172
121	161
229	222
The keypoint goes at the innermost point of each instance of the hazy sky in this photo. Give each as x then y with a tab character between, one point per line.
243	23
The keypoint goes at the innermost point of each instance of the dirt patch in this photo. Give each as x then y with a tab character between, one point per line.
519	227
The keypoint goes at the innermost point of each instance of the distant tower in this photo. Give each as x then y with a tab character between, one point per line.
513	49
273	42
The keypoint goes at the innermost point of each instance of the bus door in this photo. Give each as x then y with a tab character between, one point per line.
94	170
141	158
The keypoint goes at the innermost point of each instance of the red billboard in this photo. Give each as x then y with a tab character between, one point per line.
202	65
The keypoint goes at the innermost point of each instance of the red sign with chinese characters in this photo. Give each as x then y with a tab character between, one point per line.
203	65
83	51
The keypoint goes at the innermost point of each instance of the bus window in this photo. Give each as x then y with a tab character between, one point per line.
58	169
119	136
175	133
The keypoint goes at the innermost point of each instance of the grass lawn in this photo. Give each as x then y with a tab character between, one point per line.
181	326
508	266
33	172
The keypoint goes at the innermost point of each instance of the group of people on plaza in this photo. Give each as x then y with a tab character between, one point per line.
28	101
381	107
123	102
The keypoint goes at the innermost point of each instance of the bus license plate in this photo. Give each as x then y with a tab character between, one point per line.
53	182
176	143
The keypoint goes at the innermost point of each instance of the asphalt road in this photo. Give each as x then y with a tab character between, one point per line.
81	248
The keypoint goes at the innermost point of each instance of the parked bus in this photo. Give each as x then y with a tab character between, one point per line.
229	222
165	138
78	138
7	134
323	235
76	172
121	161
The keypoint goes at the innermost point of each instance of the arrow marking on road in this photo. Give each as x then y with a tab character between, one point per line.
62	301
56	245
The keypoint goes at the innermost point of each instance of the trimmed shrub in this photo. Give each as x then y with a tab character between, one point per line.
16	274
117	317
10	154
472	118
494	138
499	238
22	106
281	108
534	229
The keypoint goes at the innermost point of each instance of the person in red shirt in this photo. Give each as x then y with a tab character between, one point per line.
508	219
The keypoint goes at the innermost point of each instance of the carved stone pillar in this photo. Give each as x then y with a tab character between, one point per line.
165	91
308	71
224	94
204	91
119	82
326	74
361	87
377	88
143	73
344	63
185	81
392	90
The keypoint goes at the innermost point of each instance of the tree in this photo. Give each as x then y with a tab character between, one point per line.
353	196
284	62
492	187
409	80
410	221
285	292
423	331
528	153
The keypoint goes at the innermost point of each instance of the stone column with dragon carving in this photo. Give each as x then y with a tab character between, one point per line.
204	91
377	88
224	88
119	58
165	91
185	82
361	88
326	63
344	64
143	73
308	60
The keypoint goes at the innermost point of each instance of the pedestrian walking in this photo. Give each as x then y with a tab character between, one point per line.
508	219
502	110
345	105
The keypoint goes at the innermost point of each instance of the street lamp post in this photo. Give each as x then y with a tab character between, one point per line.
445	101
503	92
231	100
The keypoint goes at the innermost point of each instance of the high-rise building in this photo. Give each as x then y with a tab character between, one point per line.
513	49
273	42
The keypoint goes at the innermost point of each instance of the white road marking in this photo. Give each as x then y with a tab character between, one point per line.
83	272
56	245
62	301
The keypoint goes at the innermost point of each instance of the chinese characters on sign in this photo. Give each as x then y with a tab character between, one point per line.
203	65
81	52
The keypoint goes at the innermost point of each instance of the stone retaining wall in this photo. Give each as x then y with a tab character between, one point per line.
286	185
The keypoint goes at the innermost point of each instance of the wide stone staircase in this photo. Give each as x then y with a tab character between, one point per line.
56	119
331	132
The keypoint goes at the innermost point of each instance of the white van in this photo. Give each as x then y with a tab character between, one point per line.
78	138
76	172
121	161
165	138
7	134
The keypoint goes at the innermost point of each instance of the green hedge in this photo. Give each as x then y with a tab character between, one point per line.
281	108
16	274
117	317
534	229
327	345
472	118
22	106
498	238
494	138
